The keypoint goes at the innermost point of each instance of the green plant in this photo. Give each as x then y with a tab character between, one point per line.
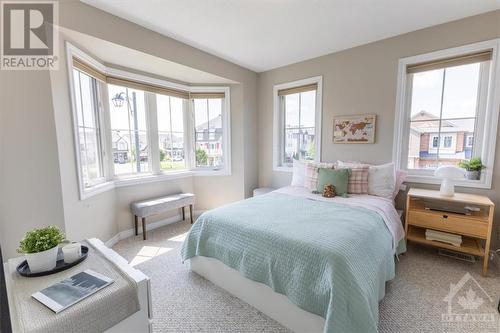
201	157
38	240
474	164
162	155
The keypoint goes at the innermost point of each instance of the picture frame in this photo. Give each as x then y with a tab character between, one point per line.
354	129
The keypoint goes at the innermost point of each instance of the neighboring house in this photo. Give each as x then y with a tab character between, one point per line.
121	149
299	141
172	145
454	143
208	137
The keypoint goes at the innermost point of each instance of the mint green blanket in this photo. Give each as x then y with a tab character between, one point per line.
327	258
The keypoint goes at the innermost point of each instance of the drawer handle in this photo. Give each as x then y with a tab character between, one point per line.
445	216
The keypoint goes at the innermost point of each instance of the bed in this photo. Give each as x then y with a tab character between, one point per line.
311	263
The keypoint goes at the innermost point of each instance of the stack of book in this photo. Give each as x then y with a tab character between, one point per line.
443	237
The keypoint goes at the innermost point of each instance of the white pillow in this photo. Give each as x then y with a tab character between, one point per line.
299	173
381	178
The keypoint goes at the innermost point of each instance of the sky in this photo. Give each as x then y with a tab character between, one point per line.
460	91
308	109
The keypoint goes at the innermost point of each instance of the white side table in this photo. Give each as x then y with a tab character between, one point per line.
262	190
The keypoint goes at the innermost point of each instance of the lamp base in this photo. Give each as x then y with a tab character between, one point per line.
447	188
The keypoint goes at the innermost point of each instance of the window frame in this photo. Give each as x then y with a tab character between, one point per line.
488	119
110	180
278	117
226	134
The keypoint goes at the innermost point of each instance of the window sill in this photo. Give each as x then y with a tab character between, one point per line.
146	179
150	178
283	169
483	183
96	189
208	172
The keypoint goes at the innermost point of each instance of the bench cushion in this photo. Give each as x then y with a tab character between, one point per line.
150	207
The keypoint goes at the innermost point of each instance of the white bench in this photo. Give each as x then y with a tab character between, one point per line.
150	207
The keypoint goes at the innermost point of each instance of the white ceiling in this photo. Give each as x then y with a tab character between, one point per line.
119	56
265	34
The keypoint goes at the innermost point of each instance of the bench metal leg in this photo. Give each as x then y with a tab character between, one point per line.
191	213
136	220
183	214
144	228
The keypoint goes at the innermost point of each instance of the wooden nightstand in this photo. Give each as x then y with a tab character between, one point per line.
474	227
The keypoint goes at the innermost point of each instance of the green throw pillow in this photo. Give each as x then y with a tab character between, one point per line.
335	177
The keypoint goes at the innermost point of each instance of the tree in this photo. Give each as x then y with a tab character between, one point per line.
311	150
162	155
201	157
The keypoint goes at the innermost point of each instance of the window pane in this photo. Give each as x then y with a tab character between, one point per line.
208	133
87	95
129	131
177	114
78	97
299	144
292	119
426	95
92	153
423	145
299	131
460	91
308	108
171	132
163	114
200	113
88	129
453	145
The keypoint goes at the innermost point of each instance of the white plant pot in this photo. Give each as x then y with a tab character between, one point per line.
473	175
42	261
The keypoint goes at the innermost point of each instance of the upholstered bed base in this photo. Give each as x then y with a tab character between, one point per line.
260	296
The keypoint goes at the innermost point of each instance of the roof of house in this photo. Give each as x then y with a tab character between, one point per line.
215	122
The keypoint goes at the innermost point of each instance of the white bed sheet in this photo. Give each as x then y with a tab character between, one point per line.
384	207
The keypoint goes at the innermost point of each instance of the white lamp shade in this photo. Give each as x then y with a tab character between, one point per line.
448	173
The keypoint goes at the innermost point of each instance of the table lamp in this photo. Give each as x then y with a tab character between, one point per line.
448	173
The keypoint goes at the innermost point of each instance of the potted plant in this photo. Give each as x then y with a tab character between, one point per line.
472	168
40	247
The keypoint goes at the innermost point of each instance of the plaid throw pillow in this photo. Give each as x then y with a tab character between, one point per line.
358	180
312	169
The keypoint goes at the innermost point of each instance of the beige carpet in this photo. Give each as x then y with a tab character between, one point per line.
414	301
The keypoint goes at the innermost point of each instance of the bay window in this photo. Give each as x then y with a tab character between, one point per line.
447	111
131	128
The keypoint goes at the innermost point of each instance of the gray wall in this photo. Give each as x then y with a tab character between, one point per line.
30	187
363	80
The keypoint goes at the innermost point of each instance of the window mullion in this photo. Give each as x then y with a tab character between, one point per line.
441	116
152	130
283	127
107	141
97	115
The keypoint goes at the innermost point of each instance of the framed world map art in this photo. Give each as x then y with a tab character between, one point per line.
354	129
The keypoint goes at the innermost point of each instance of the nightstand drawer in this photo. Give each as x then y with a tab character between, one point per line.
449	222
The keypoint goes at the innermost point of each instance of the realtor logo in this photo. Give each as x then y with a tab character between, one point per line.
469	307
29	37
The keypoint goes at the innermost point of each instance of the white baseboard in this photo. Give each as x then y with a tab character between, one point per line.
113	240
150	226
